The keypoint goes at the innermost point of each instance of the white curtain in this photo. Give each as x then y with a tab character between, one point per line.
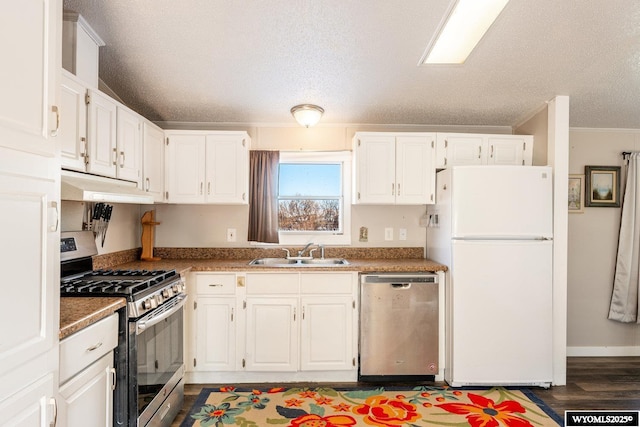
624	299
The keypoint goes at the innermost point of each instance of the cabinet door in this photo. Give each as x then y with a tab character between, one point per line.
272	334
506	150
215	334
461	149
129	145
185	168
29	202
375	169
32	406
327	333
227	169
415	169
87	398
101	124
29	34
73	123
153	158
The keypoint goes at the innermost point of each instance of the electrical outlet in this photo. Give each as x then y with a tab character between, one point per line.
402	234
388	233
231	234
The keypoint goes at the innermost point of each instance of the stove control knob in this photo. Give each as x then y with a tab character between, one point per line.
146	304
158	298
165	293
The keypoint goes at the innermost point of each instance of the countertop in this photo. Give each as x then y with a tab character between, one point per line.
79	312
360	265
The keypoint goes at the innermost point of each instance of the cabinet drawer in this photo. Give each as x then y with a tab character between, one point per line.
326	283
279	283
215	284
88	345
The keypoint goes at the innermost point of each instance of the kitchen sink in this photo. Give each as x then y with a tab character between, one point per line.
292	262
273	262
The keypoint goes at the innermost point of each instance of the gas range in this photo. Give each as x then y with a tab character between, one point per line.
144	289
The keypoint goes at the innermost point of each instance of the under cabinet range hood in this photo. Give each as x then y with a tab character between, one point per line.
90	188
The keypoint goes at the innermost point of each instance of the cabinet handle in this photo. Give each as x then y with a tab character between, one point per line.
294	314
114	379
398	189
215	285
393	189
492	151
209	188
56	110
115	157
480	151
201	187
232	314
54	408
244	196
95	347
121	159
147	184
303	312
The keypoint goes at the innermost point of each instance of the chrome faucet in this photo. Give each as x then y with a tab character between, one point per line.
305	248
287	251
321	247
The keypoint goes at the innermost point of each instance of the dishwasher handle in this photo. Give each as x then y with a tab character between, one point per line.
400	286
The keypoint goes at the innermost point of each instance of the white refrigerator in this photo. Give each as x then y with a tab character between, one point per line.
492	226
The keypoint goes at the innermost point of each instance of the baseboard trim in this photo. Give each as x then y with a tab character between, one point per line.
603	351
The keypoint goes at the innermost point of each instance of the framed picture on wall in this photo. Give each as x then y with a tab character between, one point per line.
576	193
602	186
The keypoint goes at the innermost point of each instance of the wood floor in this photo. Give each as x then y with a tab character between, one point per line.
604	383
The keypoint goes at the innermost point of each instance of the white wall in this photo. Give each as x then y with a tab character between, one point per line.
593	239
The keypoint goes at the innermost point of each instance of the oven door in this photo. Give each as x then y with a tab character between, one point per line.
159	362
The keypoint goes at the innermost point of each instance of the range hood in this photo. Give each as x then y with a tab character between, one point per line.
90	188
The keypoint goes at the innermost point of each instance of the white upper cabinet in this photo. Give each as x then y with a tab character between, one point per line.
153	160
115	141
101	125
207	167
73	123
128	145
454	149
394	168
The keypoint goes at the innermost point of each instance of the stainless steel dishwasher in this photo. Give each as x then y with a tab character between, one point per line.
398	327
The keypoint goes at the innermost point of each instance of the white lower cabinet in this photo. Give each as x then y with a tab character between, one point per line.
272	334
264	326
87	375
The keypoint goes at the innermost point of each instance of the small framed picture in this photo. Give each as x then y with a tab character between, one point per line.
576	193
602	186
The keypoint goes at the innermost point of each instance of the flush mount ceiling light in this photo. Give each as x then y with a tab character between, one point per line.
464	25
307	114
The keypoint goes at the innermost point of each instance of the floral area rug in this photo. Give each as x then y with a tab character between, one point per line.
381	407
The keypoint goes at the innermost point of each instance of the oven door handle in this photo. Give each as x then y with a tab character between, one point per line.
141	325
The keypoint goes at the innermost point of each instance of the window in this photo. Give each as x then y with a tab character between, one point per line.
313	198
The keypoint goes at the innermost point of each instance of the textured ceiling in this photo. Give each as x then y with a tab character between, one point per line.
240	61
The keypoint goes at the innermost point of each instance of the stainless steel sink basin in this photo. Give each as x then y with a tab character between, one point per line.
310	262
274	262
325	261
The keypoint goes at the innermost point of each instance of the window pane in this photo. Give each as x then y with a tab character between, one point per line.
310	179
309	215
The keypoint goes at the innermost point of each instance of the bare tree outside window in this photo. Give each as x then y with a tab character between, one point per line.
310	197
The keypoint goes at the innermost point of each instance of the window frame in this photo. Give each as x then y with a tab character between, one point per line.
324	237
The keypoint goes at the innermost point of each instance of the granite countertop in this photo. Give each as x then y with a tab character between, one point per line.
77	313
360	265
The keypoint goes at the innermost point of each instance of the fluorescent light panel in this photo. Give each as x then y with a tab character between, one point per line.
465	25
